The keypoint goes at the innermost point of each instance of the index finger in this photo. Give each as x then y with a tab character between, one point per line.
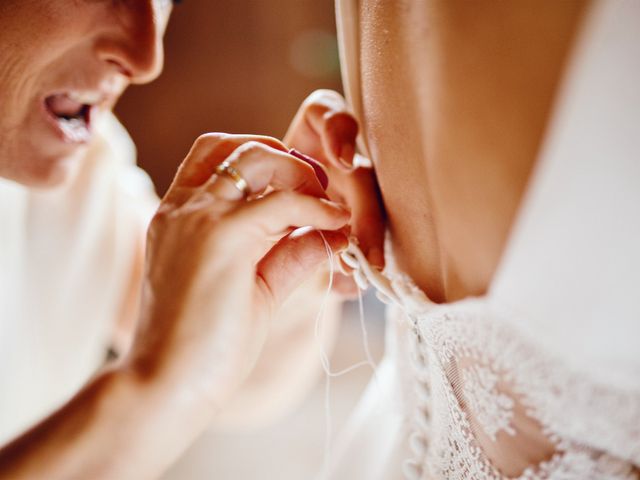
209	150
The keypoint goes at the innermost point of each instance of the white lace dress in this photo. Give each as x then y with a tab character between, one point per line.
539	379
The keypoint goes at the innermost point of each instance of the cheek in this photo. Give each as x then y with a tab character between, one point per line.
37	32
32	34
40	42
18	112
16	91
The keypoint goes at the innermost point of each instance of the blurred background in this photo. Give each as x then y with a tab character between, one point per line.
245	66
238	66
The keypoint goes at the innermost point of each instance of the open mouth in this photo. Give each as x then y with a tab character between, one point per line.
72	113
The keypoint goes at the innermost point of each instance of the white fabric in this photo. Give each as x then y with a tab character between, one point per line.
66	258
541	377
581	227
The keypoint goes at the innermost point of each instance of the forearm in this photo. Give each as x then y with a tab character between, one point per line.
117	427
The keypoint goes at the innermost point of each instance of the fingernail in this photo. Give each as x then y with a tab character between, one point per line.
316	165
347	152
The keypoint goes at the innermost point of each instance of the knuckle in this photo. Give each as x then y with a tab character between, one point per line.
251	148
206	141
259	145
208	138
271	142
161	216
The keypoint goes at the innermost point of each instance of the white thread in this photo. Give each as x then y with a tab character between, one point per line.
324	362
365	339
324	359
379	281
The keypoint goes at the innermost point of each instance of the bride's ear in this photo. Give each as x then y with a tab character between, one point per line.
325	129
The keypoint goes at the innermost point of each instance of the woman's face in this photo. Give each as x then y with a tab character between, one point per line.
63	64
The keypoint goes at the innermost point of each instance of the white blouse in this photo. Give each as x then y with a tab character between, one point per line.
66	259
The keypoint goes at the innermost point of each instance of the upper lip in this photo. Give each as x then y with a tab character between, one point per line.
87	97
92	98
101	94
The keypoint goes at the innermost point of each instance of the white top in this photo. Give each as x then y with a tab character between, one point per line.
541	377
66	258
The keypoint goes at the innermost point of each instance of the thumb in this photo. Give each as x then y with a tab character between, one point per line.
296	258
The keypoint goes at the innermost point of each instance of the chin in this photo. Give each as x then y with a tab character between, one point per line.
51	179
48	173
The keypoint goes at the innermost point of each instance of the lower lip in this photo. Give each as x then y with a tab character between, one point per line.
66	134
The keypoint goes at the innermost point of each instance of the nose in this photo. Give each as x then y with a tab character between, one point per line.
132	40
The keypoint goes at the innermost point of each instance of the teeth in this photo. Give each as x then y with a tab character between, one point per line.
88	98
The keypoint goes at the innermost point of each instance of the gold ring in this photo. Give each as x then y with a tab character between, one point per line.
225	168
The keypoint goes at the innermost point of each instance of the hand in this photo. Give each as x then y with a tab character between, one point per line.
289	363
324	129
219	266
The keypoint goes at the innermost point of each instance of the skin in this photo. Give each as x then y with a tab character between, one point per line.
457	97
116	43
185	366
207	249
444	74
456	103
